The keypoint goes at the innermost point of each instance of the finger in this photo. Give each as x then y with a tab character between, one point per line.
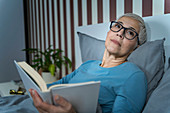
41	111
62	102
43	107
48	108
30	91
36	98
38	103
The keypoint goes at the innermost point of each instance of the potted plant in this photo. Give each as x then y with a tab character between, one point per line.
48	60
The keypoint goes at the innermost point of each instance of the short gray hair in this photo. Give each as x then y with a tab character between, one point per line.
142	32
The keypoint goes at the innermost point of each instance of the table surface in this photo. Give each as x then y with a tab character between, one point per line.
5	87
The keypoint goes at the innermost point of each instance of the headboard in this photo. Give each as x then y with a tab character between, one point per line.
158	27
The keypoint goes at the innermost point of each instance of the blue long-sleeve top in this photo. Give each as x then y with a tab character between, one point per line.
123	88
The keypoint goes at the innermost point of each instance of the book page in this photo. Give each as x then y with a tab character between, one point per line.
34	75
30	84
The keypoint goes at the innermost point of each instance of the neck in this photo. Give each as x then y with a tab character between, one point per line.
112	63
110	60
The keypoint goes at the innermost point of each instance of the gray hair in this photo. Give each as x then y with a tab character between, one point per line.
142	32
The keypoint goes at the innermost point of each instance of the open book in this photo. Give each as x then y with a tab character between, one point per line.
83	96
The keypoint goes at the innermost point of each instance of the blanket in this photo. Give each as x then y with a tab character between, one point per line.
17	104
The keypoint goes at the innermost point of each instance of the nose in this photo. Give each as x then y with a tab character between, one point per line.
120	33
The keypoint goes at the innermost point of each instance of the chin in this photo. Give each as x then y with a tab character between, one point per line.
113	49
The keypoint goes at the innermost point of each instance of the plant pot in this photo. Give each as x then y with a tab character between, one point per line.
48	78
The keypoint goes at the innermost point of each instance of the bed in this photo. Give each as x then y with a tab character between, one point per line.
153	58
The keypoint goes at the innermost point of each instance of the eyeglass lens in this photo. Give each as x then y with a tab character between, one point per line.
129	33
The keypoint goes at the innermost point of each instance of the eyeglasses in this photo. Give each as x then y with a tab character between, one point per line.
128	33
20	91
14	92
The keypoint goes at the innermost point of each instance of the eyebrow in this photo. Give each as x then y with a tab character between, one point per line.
126	27
120	22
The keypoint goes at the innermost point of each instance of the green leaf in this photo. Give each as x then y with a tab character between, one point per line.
52	69
48	59
31	50
37	60
68	61
58	64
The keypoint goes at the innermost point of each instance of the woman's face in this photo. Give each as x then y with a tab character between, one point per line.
117	44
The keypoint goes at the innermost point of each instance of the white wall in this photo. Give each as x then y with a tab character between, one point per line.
12	38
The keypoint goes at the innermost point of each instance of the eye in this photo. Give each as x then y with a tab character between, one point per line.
130	33
117	25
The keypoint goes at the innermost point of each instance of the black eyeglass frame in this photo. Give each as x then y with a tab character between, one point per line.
122	27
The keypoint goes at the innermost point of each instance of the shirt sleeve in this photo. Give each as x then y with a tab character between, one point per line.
132	95
64	80
68	77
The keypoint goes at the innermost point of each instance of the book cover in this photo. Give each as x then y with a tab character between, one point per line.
83	96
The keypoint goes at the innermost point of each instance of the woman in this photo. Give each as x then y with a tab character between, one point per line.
123	84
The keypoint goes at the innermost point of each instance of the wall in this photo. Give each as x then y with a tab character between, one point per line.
12	38
53	22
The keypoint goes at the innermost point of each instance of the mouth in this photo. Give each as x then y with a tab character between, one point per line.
115	42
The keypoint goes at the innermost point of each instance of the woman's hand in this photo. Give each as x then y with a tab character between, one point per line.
63	105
